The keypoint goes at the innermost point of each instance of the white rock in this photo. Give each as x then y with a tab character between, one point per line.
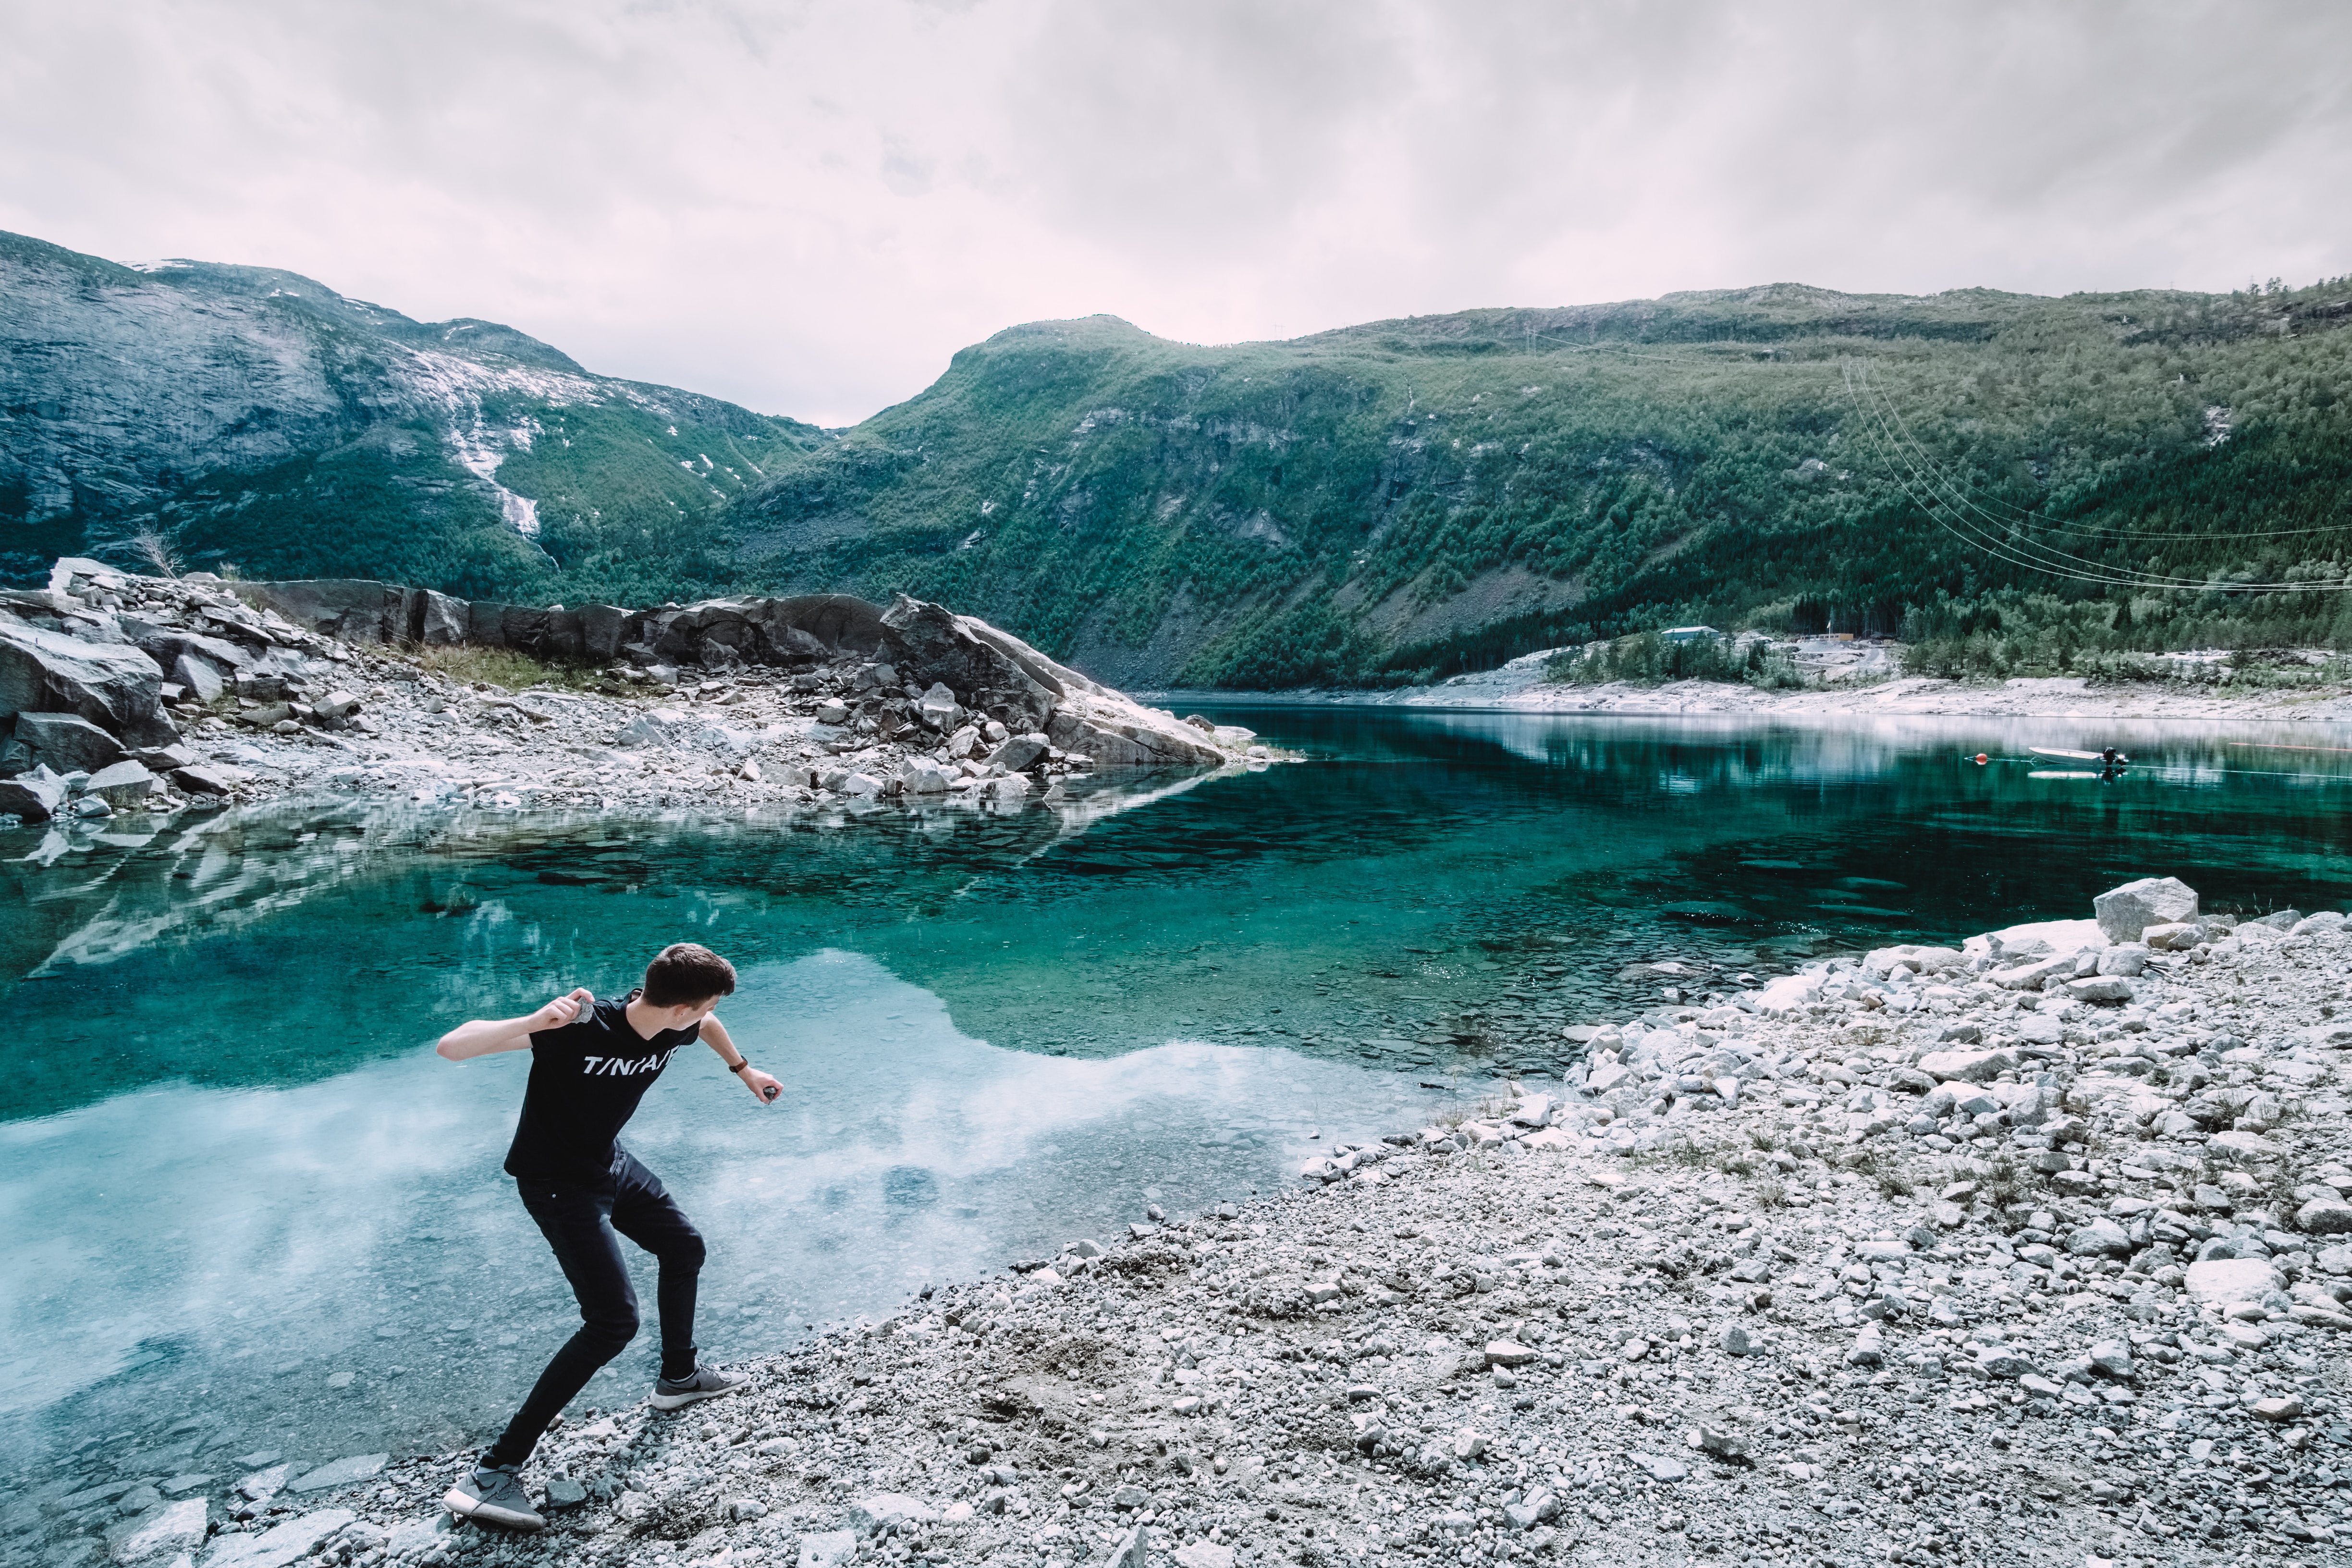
2125	912
828	1549
888	1510
2324	1217
2246	1148
1788	994
654	727
1917	960
2036	939
1968	1067
282	1544
2224	1281
175	1527
2102	1237
263	1485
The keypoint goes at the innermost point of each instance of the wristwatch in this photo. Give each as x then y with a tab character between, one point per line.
739	1067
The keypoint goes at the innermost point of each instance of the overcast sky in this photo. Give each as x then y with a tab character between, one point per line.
808	207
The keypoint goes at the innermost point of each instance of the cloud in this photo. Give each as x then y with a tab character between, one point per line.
808	208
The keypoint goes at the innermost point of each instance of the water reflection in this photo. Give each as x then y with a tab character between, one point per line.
340	1265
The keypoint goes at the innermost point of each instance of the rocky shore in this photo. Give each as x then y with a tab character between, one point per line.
132	694
1851	679
2032	1251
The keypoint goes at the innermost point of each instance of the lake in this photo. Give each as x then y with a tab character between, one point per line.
249	1209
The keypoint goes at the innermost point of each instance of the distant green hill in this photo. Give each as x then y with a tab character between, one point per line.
1383	503
1412	498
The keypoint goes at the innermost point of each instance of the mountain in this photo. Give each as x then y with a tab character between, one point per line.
1415	497
245	417
2010	481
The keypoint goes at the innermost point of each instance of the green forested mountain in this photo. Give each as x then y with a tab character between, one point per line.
241	417
1421	495
1993	475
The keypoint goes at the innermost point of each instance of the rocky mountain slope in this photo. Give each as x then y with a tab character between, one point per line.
256	418
2030	1251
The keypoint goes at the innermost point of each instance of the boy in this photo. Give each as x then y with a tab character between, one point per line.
591	1062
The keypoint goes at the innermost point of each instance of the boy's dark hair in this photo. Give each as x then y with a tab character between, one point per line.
686	973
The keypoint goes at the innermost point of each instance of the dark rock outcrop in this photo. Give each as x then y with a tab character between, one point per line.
992	673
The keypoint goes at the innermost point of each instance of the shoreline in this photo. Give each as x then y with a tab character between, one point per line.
1517	687
2015	1252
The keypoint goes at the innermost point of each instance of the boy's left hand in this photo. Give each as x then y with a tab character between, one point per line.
764	1090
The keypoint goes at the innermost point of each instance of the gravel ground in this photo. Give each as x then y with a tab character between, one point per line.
2033	1251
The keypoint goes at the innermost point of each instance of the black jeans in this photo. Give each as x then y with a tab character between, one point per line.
580	1223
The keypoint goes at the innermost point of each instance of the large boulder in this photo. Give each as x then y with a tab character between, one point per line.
2124	912
198	675
1019	752
722	632
161	1532
1120	733
207	778
349	609
282	1545
2225	1282
486	623
1968	1067
922	778
124	785
436	620
32	796
990	670
2101	1237
114	686
164	644
67	742
602	629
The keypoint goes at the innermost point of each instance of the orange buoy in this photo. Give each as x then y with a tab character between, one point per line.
1982	759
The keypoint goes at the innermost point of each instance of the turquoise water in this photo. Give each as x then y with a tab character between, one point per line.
239	1190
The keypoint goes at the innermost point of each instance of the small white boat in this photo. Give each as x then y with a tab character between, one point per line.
2100	757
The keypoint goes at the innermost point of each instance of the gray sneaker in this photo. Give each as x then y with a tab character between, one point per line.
494	1496
707	1383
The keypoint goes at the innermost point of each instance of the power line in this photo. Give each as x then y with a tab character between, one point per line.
2001	537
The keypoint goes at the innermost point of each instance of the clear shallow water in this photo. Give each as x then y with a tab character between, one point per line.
231	1172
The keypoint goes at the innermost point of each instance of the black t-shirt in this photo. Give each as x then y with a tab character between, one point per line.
586	1079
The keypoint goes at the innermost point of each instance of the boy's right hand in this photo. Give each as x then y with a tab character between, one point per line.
566	1009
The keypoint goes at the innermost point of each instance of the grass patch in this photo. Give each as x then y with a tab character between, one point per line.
1887	1173
505	668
